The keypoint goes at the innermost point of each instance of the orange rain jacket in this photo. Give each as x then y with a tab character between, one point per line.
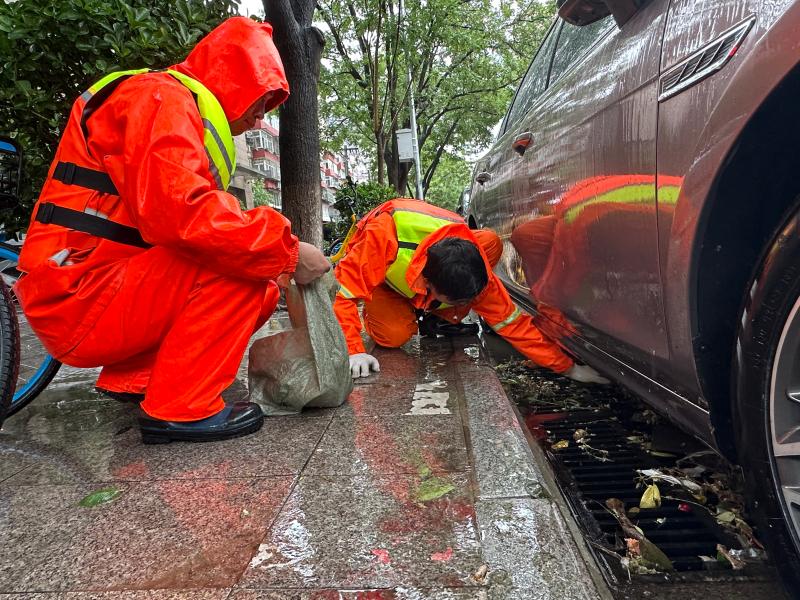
374	248
148	137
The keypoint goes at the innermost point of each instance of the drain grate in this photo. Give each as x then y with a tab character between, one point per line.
683	532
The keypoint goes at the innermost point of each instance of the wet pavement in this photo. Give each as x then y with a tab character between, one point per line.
422	486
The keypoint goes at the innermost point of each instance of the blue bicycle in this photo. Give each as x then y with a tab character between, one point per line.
25	366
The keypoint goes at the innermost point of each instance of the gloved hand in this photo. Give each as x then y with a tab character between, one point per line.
361	364
585	374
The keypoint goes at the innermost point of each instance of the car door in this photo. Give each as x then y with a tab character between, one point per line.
577	205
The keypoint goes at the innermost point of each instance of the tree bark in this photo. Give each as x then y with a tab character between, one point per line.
300	46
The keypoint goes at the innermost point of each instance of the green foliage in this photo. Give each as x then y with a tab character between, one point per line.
466	59
360	198
262	196
451	177
52	50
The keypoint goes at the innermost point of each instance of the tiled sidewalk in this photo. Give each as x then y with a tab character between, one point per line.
406	491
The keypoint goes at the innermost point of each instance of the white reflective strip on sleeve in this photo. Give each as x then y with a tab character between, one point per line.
345	293
510	319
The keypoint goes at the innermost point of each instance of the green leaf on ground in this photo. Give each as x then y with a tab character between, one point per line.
100	497
432	488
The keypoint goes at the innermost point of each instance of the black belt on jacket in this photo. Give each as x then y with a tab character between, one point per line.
71	174
49	213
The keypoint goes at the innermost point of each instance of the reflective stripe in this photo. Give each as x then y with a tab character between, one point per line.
427	214
345	293
511	318
631	194
212	167
96	213
213	130
217	138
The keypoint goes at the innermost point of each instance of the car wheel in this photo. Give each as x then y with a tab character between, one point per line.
767	387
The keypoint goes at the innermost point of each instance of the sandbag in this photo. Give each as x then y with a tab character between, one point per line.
308	365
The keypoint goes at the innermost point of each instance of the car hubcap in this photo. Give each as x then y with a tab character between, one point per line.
784	416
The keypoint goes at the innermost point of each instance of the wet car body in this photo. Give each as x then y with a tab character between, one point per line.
641	182
627	269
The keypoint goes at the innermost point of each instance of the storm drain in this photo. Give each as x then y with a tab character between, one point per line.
607	466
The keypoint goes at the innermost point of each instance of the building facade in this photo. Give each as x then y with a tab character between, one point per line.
264	153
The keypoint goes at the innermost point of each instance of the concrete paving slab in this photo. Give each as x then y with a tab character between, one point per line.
281	447
503	461
165	534
375	499
405	444
380	398
125	595
419	360
389	531
400	593
530	552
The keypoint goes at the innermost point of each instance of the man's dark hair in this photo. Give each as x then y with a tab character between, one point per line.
456	269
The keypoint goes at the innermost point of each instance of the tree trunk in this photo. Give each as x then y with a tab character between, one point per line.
300	46
379	155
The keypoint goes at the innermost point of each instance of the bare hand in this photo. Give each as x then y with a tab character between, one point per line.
311	264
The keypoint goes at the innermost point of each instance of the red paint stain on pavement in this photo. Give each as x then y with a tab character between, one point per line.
382	554
443	556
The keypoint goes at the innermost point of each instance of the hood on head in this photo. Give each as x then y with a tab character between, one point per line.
238	62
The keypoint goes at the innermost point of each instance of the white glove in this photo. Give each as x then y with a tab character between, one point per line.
584	374
361	364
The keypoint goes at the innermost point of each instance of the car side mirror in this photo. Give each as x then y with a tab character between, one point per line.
584	12
10	172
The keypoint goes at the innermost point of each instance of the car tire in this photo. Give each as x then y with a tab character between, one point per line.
767	346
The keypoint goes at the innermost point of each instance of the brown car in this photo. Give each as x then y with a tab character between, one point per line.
646	184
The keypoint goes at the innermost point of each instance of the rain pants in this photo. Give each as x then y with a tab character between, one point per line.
173	320
390	318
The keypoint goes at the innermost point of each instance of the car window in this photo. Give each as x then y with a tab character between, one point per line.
573	42
535	80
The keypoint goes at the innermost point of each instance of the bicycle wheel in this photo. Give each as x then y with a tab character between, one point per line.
36	367
9	350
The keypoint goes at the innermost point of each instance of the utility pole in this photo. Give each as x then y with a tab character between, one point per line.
411	106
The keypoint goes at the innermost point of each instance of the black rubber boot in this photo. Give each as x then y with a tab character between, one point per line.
431	325
239	417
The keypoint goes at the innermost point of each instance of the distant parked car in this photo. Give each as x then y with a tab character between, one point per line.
646	184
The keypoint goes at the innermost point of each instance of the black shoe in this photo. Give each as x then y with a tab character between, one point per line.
121	396
432	326
236	419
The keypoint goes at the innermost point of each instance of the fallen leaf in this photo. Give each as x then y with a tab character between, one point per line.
683	507
100	497
651	497
383	555
726	516
560	445
480	574
661	454
653	554
433	489
443	556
